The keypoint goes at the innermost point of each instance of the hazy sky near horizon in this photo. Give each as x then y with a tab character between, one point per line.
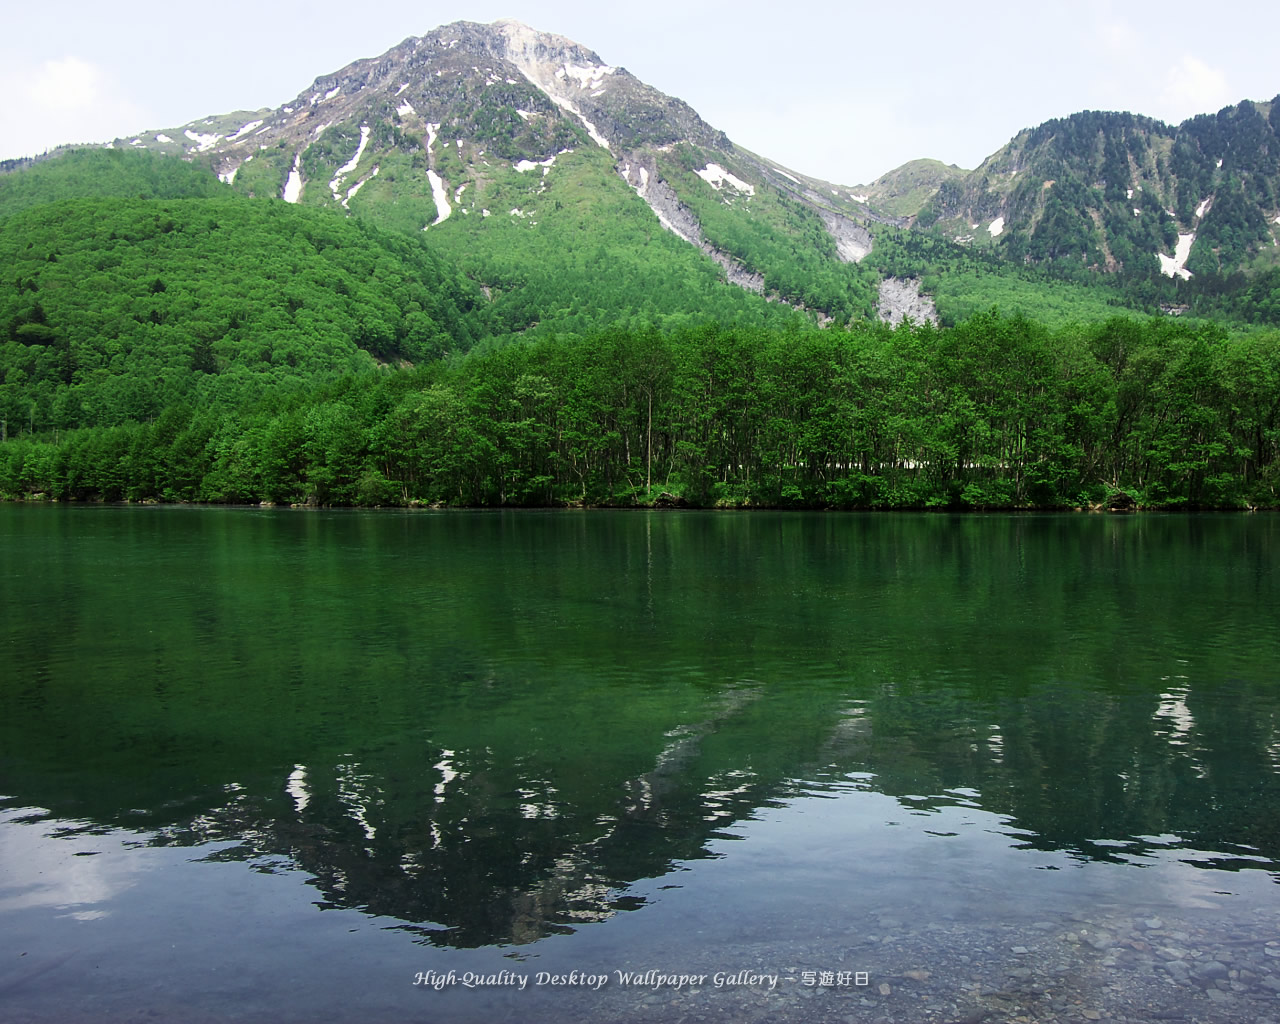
842	91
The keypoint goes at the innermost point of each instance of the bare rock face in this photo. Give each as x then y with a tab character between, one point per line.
853	241
900	297
641	174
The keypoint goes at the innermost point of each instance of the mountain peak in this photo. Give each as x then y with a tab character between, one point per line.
531	45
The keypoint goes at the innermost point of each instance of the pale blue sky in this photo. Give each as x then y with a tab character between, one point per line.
843	91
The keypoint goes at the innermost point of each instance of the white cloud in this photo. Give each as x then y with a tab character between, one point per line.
1193	87
64	100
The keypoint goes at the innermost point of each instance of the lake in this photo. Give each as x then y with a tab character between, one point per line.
288	765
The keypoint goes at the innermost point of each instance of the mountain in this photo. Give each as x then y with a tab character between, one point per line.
903	192
573	195
473	130
1119	192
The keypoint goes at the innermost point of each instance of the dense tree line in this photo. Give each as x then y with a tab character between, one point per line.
997	412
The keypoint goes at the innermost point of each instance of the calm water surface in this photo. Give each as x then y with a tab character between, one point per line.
270	764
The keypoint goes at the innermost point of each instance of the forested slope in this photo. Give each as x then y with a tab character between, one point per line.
1115	191
160	344
114	309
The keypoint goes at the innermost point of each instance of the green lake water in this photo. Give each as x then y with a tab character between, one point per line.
280	765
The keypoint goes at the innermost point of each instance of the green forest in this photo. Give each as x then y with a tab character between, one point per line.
998	412
164	339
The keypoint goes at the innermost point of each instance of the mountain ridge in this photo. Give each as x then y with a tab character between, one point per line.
469	124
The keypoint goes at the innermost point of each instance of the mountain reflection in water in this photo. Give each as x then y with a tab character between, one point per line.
490	729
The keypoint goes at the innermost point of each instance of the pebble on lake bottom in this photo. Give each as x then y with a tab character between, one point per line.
1197	969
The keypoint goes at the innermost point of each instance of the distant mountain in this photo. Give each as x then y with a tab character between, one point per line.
1117	191
904	191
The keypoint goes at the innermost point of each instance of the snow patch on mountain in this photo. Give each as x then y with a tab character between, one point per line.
245	130
440	197
203	142
402	88
405	109
351	192
995	227
350	165
529	165
592	131
335	186
1176	265
293	187
591	77
716	176
162	137
1203	207
229	177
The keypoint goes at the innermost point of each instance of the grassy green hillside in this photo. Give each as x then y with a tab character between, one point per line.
905	190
